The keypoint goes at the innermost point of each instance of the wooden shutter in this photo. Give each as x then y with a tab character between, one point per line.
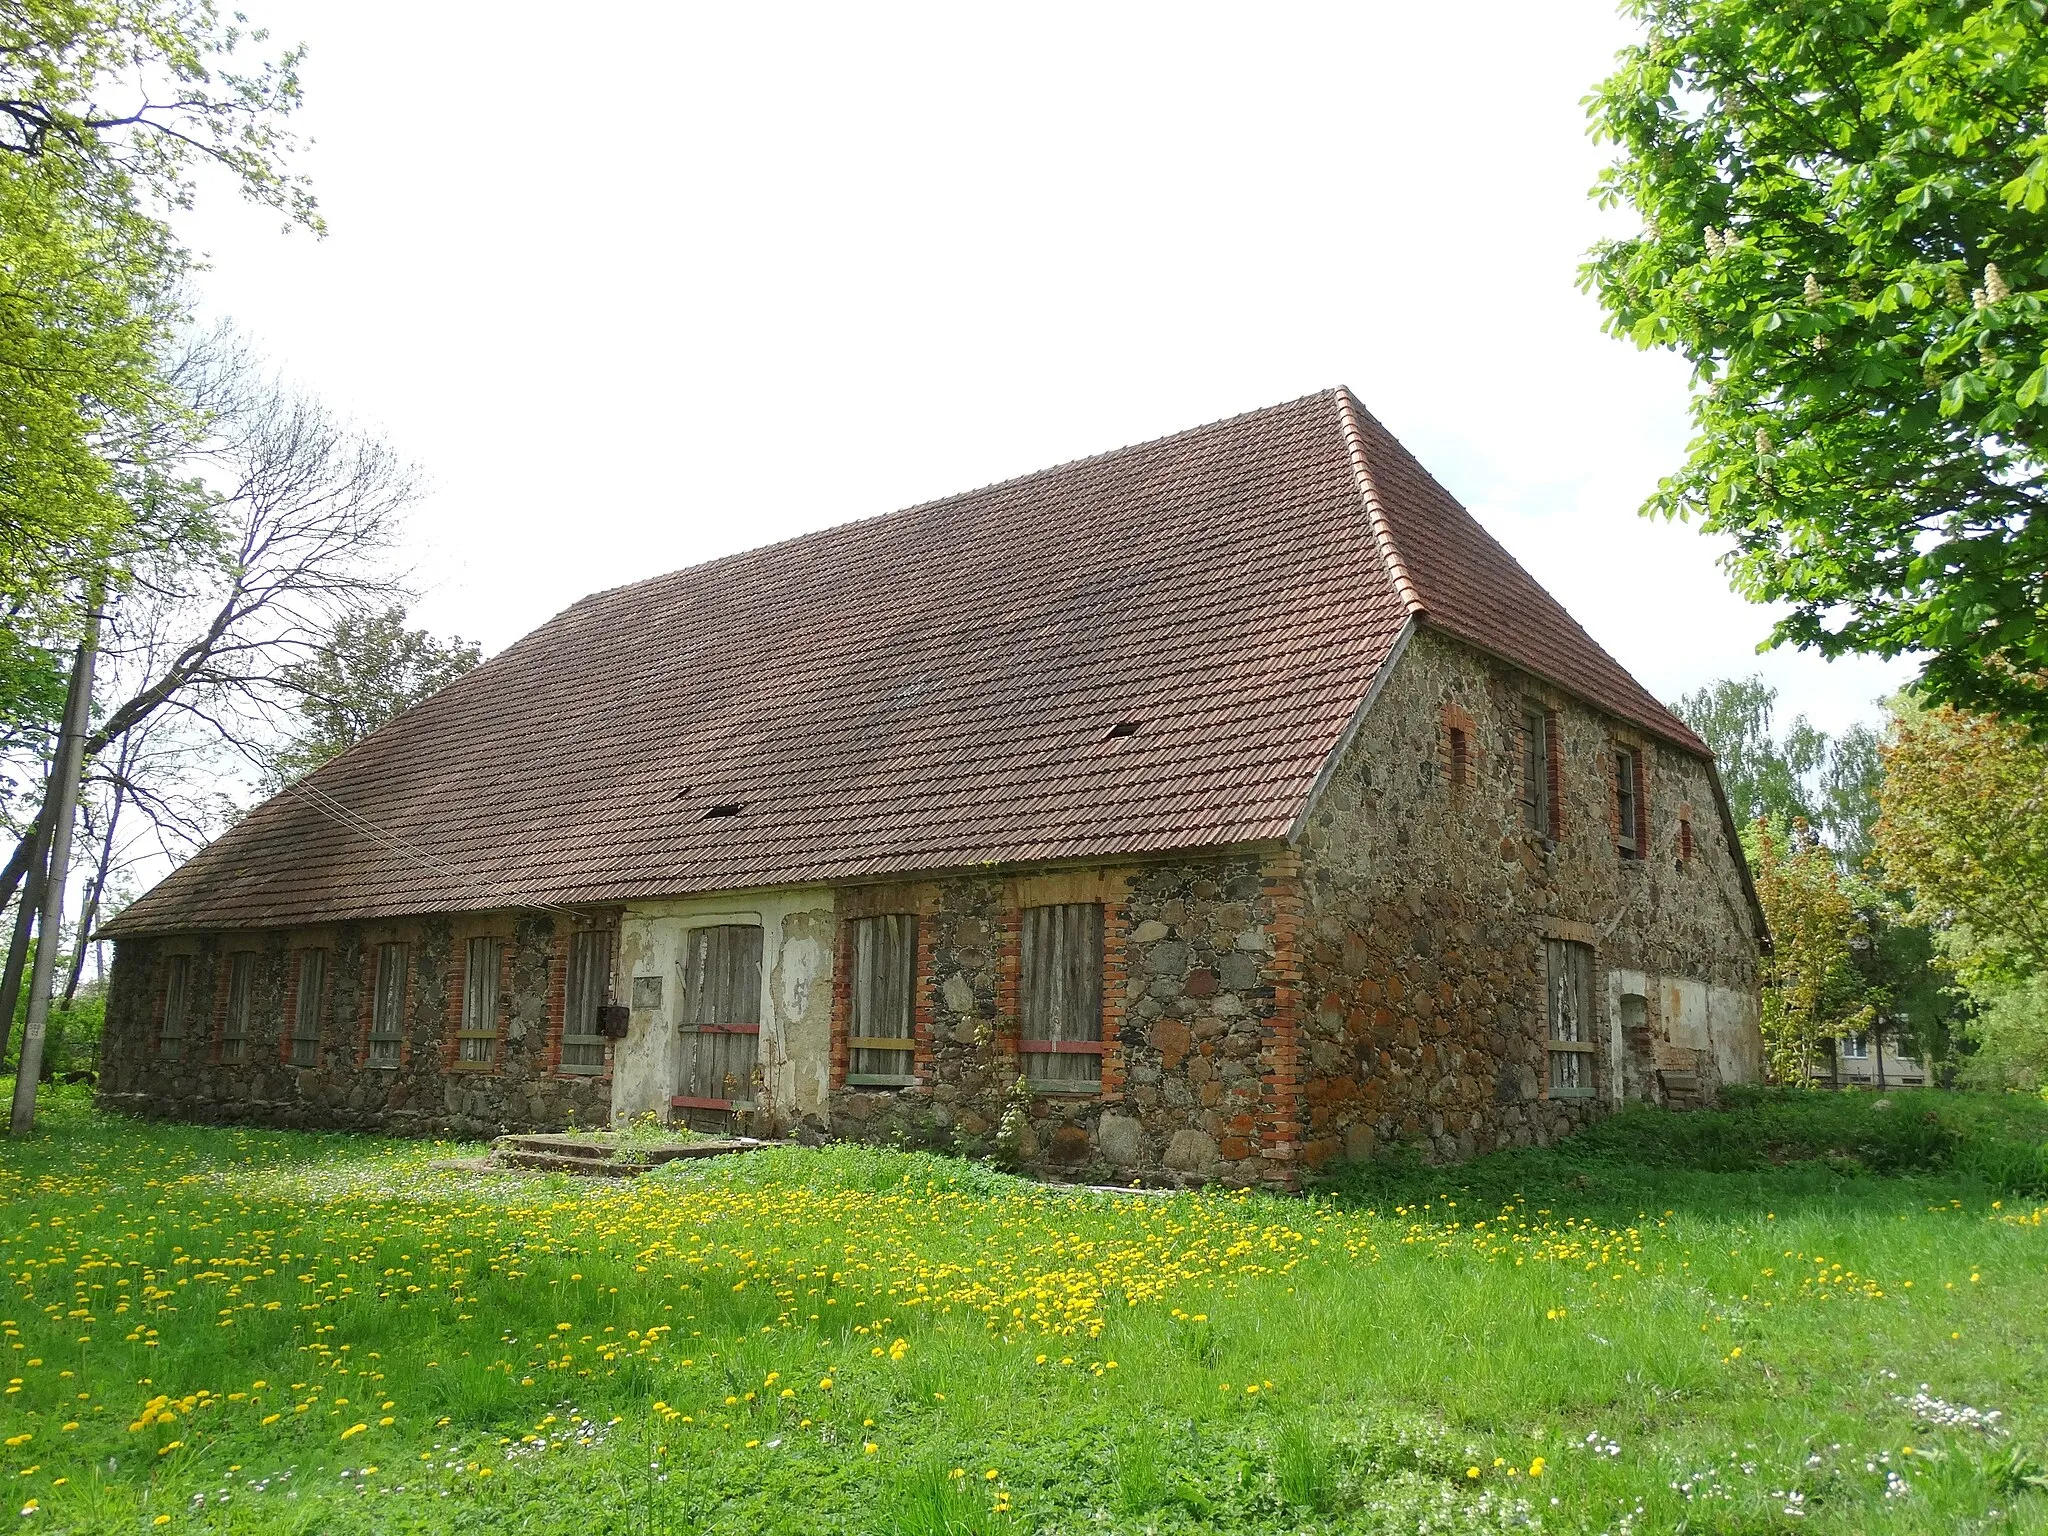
719	1018
170	1040
478	1036
1571	1023
387	1006
884	985
1536	768
306	1011
590	974
1061	1033
234	1031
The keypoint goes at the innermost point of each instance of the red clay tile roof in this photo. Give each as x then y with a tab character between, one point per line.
929	690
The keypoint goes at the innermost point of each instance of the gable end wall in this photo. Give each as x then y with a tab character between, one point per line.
1426	905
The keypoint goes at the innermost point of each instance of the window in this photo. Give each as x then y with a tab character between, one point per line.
1571	1026
387	1006
1685	839
589	984
477	1039
1856	1047
1061	1038
170	1036
884	985
719	1021
1461	758
306	1009
234	1029
1536	768
1628	767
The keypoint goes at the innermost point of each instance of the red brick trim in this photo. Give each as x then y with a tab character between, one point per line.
1116	982
1279	1127
1460	743
558	1005
919	902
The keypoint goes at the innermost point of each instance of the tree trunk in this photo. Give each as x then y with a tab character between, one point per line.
90	912
24	927
63	798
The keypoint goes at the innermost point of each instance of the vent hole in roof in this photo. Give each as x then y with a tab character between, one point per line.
721	810
1124	728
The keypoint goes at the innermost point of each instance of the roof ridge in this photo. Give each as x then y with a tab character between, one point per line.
867	519
1369	494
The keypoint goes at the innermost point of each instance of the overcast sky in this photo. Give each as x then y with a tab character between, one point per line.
638	285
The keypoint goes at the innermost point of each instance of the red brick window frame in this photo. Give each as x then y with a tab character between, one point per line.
1062	993
479	992
914	907
1541	783
305	1000
1628	806
1685	838
1460	750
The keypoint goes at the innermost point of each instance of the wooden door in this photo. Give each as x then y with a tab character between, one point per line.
718	1024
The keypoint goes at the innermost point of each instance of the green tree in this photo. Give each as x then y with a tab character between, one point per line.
1964	828
369	670
109	112
1844	234
1830	784
1813	989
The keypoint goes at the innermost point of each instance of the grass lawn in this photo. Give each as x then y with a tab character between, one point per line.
1815	1313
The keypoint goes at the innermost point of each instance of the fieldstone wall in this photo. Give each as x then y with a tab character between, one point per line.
1195	1003
1427	903
426	1094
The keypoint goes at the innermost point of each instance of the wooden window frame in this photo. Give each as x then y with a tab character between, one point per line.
395	1036
1631	812
170	1043
1578	1046
1057	1044
571	1039
469	1033
235	1007
1539	791
306	1009
905	1045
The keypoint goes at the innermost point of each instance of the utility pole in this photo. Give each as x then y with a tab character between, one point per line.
50	926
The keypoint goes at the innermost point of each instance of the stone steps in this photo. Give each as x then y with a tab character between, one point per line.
586	1157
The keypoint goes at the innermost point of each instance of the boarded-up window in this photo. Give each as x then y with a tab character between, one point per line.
170	1036
387	1006
306	1008
884	984
589	983
1627	800
477	1039
1536	768
1061	1037
1571	1018
719	1020
234	1027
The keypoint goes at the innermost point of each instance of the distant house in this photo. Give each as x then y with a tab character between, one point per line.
1235	793
1871	1060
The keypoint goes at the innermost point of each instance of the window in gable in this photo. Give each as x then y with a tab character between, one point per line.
477	1039
883	994
306	1007
1628	801
589	983
1570	989
1537	750
234	1028
1061	1035
170	1035
1461	758
387	1007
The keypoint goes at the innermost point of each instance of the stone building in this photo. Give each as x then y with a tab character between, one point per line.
1210	809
